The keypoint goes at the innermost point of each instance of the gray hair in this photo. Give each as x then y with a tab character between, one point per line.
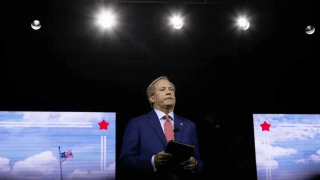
150	90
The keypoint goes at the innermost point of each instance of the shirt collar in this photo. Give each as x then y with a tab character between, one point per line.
160	114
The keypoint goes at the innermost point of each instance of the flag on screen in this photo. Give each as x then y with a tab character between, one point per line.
66	155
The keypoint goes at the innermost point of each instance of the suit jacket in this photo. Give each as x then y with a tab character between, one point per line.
144	138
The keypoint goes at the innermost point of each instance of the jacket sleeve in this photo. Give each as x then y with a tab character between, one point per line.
130	157
130	148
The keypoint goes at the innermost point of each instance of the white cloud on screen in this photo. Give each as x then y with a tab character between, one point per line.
42	164
35	164
315	158
4	165
274	152
45	165
83	174
303	161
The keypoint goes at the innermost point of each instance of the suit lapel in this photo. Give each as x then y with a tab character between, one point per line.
178	125
155	124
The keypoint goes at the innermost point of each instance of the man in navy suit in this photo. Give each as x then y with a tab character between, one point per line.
146	138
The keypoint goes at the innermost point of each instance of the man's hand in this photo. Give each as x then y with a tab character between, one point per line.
162	159
189	164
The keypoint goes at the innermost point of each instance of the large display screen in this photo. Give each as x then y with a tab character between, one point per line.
287	146
57	145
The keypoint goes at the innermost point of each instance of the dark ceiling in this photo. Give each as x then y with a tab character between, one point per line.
73	64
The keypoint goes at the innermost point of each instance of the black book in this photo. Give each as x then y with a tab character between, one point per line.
180	152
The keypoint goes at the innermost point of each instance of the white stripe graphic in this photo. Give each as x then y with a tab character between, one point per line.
42	123
45	124
105	153
296	128
60	126
101	152
296	125
266	159
267	156
269	161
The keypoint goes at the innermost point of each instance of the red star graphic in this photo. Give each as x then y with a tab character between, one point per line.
103	125
265	126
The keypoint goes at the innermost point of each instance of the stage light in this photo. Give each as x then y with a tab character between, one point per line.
243	23
177	22
107	19
310	29
35	25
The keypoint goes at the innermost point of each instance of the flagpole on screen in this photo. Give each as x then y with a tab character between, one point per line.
60	162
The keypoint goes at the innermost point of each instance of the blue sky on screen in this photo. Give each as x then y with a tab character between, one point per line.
29	152
290	149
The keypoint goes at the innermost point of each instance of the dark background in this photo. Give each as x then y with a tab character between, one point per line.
222	75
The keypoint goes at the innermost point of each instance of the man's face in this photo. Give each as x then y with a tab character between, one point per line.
163	90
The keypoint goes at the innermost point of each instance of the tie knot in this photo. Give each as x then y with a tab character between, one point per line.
167	117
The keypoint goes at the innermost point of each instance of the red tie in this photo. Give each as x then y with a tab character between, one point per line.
168	130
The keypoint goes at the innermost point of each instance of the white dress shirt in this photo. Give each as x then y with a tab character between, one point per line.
162	120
